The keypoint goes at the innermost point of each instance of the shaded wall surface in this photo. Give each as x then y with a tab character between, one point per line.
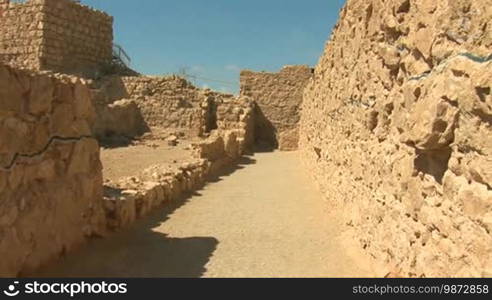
396	127
278	97
50	172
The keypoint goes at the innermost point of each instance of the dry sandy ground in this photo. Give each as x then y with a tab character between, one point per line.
131	160
265	219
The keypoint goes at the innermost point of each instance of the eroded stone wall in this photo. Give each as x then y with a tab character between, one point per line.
50	172
396	128
168	103
278	97
57	35
21	37
237	114
77	38
173	97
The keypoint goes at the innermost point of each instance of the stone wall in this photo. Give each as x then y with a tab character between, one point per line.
173	97
118	123
169	103
21	37
237	114
396	127
50	172
51	185
278	97
57	35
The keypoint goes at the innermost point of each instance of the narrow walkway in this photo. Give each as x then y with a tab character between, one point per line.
265	219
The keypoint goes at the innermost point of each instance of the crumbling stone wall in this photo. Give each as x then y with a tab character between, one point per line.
170	103
57	35
173	97
119	122
396	127
50	172
237	114
20	35
278	97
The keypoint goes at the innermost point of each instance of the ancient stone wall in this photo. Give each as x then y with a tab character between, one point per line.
57	35
77	38
170	103
278	97
118	123
21	35
236	114
50	172
396	127
170	96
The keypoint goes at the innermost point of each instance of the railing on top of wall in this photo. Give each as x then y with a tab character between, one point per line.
120	56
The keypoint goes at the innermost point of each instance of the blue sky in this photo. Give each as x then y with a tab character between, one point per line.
215	39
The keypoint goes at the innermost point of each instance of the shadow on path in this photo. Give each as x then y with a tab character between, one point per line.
140	251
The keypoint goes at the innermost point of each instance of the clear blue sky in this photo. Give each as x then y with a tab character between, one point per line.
217	38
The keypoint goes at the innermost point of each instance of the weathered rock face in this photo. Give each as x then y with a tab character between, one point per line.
50	172
396	127
58	35
278	97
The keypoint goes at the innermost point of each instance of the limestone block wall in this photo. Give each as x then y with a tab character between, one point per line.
21	34
50	172
57	35
173	97
172	102
396	128
237	114
278	97
77	38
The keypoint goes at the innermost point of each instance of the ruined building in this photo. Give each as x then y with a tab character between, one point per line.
57	35
53	194
278	97
395	126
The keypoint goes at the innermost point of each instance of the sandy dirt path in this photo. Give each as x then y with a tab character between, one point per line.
264	219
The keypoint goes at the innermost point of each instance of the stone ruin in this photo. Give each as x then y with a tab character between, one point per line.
56	35
394	125
195	111
50	172
396	129
278	97
51	181
53	196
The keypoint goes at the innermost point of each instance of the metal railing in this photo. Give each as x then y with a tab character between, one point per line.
120	56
